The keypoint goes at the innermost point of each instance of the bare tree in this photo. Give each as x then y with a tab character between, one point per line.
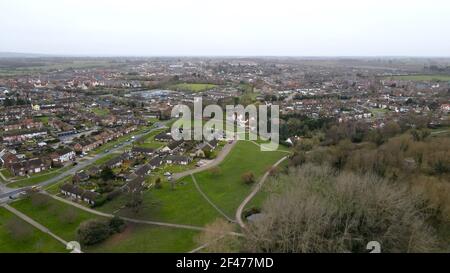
216	237
321	211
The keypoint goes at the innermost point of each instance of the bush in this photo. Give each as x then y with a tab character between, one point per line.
158	183
248	178
112	195
117	225
93	231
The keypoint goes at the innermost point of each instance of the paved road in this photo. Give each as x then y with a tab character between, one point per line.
6	192
253	193
34	223
216	161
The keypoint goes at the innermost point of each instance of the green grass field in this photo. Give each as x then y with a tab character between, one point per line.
101	112
34	241
53	215
435	77
184	205
193	87
43	119
144	239
227	189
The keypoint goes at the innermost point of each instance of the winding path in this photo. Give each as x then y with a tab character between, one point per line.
34	223
209	200
132	220
253	193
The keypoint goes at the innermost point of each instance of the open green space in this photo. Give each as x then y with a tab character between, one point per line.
226	189
43	119
102	112
430	77
193	87
29	240
6	173
144	238
182	205
62	219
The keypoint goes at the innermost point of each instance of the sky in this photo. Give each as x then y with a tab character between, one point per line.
226	27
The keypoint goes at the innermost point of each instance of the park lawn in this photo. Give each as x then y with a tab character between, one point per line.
138	238
43	119
104	159
6	173
260	197
35	241
227	189
52	216
184	205
101	112
193	87
38	178
430	77
152	144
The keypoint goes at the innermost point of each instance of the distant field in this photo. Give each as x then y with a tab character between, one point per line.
39	65
34	241
101	112
192	87
436	77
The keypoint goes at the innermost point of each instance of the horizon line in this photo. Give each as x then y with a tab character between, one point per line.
76	55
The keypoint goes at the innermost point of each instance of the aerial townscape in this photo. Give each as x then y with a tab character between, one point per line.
224	136
87	154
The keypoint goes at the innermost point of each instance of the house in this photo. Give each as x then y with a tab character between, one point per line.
94	171
178	159
86	145
205	147
172	146
27	167
155	162
142	151
134	185
80	177
115	162
164	136
144	170
63	155
7	158
77	193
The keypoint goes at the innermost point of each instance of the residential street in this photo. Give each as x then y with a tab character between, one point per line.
5	192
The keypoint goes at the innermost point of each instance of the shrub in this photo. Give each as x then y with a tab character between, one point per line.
248	178
117	225
93	231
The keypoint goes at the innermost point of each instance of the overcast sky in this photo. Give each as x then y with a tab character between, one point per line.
227	27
